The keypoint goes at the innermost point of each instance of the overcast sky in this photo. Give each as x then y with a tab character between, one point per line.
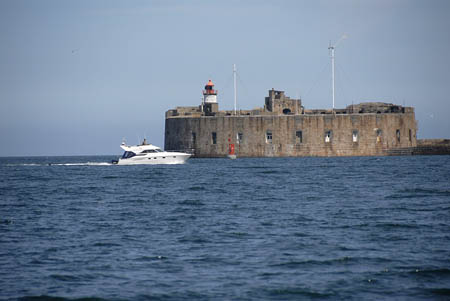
76	77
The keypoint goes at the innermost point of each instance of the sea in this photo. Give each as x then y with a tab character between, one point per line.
347	228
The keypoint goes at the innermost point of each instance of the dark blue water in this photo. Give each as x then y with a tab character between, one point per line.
374	228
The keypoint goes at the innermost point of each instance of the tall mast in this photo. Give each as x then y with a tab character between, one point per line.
331	48
235	97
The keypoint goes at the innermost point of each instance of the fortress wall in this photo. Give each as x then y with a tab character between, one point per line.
179	134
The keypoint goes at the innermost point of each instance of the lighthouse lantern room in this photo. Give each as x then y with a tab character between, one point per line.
209	94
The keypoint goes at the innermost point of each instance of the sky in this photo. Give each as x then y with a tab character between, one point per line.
78	77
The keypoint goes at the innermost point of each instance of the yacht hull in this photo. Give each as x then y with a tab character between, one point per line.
161	158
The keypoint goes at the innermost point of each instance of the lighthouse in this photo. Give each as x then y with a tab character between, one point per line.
209	94
210	105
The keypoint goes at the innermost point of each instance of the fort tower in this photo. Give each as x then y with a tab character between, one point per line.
210	104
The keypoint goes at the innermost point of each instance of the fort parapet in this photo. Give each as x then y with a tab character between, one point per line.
283	128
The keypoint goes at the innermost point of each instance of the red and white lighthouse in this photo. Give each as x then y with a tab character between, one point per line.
209	94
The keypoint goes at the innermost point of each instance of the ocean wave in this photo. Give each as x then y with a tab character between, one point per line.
194	239
269	172
106	244
418	193
295	264
151	258
440	291
196	188
299	292
396	225
346	260
55	298
191	202
5	221
441	272
61	277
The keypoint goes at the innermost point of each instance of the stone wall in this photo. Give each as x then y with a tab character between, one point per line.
433	142
364	134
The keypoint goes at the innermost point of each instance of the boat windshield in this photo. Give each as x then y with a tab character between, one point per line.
127	155
147	151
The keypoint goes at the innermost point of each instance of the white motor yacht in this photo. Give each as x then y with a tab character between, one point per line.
149	154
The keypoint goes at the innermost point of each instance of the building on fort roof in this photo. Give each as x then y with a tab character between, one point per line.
284	128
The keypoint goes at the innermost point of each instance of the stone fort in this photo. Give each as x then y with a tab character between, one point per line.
284	128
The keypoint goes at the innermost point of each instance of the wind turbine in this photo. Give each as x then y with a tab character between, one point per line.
331	48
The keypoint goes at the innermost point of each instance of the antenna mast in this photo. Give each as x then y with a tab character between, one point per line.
234	78
331	48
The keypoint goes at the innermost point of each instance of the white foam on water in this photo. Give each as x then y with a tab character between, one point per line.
64	164
82	164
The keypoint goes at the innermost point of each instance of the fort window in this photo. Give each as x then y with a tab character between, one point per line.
328	136
286	111
379	134
298	137
194	138
240	136
397	134
214	137
269	137
355	135
410	135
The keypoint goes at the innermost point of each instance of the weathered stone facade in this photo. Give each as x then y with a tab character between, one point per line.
284	128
